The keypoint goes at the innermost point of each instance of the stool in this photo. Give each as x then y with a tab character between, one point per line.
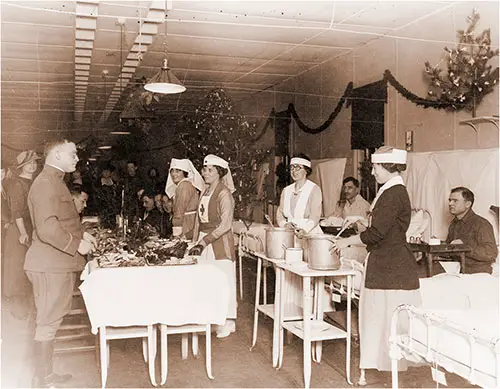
185	329
148	335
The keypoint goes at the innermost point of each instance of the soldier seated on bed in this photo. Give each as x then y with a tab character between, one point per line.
472	230
351	206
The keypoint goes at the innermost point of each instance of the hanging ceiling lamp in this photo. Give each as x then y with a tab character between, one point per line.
165	82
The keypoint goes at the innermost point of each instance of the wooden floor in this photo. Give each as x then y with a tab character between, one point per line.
234	365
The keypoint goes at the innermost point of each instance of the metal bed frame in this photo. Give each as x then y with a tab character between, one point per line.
245	250
403	345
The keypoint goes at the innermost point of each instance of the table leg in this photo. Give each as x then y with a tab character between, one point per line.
194	345
264	298
184	346
257	302
462	262
240	270
104	355
314	312
152	354
307	308
350	291
164	353
430	258
208	351
280	314
319	287
394	373
145	349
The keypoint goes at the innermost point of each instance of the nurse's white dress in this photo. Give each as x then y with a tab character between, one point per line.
226	265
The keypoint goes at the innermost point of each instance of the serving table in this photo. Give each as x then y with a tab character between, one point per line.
307	321
149	295
291	311
312	328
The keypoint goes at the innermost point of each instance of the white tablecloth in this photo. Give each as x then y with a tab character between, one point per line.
172	295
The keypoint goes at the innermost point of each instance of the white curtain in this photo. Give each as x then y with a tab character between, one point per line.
328	174
430	176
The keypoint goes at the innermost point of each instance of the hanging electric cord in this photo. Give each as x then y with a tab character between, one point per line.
183	82
38	69
121	58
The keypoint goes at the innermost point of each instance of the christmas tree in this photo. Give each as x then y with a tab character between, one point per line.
215	128
469	77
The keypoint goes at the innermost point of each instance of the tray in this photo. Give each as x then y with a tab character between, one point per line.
188	260
137	262
335	230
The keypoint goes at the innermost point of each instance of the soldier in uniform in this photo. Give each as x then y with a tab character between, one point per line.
56	253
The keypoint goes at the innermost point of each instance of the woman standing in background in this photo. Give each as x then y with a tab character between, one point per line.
184	185
16	286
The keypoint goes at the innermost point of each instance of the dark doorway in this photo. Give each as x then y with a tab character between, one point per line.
367	128
367	122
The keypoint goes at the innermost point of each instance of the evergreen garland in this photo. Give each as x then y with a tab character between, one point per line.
469	77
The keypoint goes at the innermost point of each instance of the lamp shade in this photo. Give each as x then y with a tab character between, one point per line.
165	82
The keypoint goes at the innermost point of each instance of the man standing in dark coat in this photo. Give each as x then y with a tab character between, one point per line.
56	253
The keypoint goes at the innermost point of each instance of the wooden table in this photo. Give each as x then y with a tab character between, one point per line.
312	328
429	252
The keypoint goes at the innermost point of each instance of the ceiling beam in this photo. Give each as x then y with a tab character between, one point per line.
148	28
87	12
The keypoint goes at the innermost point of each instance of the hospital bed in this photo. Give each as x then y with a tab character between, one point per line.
457	328
249	239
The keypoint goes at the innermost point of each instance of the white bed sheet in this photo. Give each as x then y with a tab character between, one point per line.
446	341
462	291
471	302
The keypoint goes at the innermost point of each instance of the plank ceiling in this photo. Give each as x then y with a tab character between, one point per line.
73	62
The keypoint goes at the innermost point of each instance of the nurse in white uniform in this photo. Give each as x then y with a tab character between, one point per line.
300	208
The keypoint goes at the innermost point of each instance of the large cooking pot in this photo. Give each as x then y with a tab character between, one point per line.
277	240
319	252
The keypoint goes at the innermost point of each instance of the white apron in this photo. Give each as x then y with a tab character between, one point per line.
226	265
293	282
